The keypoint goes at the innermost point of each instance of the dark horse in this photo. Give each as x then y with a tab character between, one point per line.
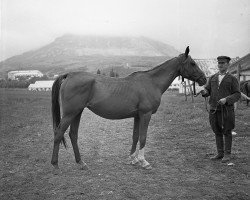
245	88
137	95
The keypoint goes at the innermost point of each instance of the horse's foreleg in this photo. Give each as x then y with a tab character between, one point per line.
73	134
133	154
59	132
143	128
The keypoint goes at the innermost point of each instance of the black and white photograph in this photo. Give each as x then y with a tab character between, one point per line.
124	99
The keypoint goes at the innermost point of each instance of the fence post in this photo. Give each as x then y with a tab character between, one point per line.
194	88
185	90
191	92
238	72
238	78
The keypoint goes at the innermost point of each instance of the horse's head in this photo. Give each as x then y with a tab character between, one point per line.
190	70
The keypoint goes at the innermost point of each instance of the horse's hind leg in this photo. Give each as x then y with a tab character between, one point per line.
59	132
73	134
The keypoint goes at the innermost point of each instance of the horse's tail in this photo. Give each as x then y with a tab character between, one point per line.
56	114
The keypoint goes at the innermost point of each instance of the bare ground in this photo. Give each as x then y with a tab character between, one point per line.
179	145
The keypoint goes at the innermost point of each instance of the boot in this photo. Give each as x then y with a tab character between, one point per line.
220	147
226	158
228	146
218	156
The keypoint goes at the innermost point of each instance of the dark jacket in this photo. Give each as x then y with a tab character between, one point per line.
228	88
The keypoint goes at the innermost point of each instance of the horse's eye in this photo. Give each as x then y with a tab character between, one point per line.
192	63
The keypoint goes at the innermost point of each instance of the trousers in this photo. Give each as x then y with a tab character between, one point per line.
222	122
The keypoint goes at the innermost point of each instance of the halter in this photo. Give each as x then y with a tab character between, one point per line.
182	69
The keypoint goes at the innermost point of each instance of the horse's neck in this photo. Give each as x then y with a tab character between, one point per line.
164	74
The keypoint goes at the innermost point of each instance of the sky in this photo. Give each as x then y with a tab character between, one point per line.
210	27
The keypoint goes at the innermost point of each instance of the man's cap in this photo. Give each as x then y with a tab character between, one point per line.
223	59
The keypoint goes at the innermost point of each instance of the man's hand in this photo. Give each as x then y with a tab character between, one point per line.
222	101
203	92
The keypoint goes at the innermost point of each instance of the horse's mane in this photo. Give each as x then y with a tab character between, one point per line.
154	68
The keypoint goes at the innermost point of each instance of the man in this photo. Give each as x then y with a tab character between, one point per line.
223	89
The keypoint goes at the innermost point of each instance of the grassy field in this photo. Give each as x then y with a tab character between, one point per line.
179	145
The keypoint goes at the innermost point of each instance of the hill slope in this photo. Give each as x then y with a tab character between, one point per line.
74	52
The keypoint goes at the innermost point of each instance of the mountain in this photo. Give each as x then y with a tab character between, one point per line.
76	52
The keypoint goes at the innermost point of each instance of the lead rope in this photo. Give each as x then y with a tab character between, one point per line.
222	112
206	100
222	117
216	109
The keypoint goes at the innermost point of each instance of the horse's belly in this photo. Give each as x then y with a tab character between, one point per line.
113	109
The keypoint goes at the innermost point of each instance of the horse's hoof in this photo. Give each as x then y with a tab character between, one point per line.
147	167
135	161
84	167
130	161
56	171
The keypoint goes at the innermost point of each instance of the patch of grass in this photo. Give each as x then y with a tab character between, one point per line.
178	147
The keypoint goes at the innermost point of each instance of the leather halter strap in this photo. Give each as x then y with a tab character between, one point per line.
182	70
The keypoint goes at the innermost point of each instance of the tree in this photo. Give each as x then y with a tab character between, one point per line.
14	84
98	72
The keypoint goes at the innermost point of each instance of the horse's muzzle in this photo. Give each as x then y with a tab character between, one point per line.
202	81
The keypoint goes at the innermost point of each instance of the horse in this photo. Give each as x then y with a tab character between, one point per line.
245	88
137	96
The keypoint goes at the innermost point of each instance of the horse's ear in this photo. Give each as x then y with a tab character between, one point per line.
187	52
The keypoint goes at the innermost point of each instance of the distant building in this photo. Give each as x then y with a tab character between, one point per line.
244	64
13	75
41	86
